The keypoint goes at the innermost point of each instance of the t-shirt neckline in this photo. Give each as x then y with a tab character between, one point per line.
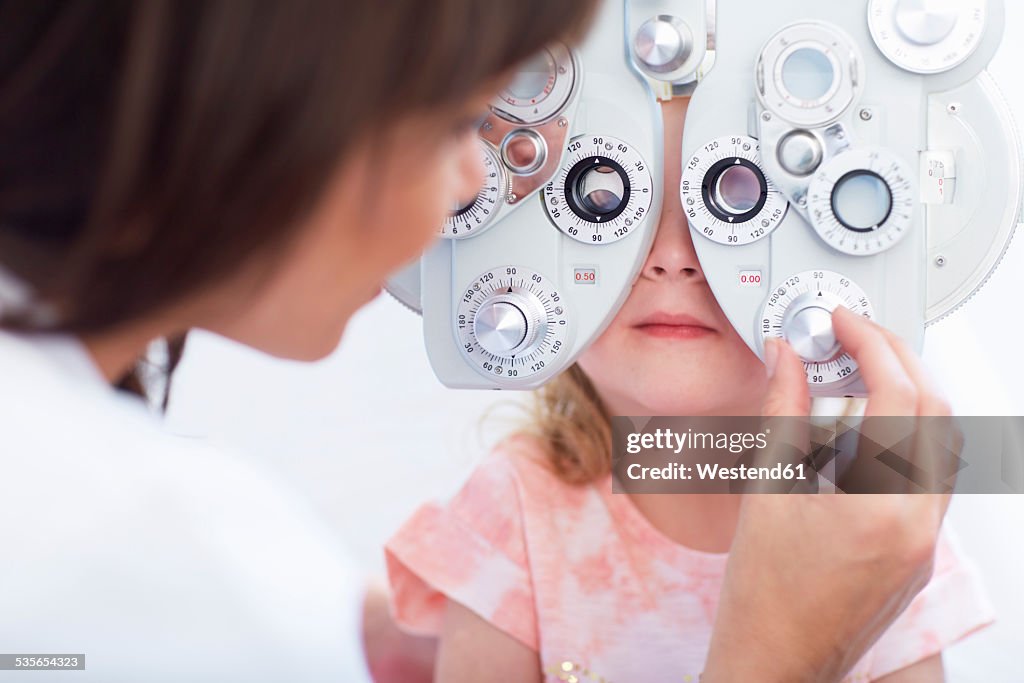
640	529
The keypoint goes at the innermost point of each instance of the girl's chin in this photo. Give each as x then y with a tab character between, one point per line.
695	393
661	399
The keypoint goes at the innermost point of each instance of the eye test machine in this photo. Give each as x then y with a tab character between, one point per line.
834	153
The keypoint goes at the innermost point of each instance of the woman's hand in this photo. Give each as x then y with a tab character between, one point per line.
814	580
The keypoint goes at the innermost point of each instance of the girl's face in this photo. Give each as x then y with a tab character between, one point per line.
382	208
671	350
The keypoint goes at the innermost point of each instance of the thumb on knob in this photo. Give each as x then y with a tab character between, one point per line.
787	381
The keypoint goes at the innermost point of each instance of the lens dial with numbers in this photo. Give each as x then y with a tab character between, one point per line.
540	89
511	323
726	195
470	220
603	191
861	202
809	73
927	36
799	310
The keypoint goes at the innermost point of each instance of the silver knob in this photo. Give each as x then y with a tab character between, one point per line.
508	323
663	43
799	152
524	151
807	326
926	22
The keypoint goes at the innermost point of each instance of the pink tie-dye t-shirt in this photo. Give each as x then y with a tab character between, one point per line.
579	575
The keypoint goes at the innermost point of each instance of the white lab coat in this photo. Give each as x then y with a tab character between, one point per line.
158	558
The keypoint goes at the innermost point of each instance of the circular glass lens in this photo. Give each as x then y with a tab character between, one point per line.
861	200
600	190
523	151
737	189
532	81
807	74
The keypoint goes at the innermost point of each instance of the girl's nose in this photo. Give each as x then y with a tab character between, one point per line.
672	255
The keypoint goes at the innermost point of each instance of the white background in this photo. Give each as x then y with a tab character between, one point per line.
369	433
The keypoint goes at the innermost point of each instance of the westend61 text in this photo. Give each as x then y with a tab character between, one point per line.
705	471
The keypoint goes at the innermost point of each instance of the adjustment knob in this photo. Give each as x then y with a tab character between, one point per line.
507	323
663	43
807	323
799	310
807	326
927	36
799	152
524	151
925	22
512	326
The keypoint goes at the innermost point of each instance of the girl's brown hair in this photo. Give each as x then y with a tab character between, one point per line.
573	426
148	147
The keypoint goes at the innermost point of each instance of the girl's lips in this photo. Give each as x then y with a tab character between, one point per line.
673	326
675	331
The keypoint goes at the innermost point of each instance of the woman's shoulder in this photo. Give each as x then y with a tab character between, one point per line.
120	523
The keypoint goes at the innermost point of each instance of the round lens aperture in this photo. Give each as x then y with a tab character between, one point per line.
602	193
597	189
540	88
734	189
533	81
725	194
861	200
807	74
737	189
600	190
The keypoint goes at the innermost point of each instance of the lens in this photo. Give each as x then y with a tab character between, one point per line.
737	189
523	151
807	74
530	83
861	200
600	190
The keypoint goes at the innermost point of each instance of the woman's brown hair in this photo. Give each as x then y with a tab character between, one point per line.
149	147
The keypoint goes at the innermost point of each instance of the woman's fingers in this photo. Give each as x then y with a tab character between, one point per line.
898	386
786	400
937	439
930	400
891	389
787	384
